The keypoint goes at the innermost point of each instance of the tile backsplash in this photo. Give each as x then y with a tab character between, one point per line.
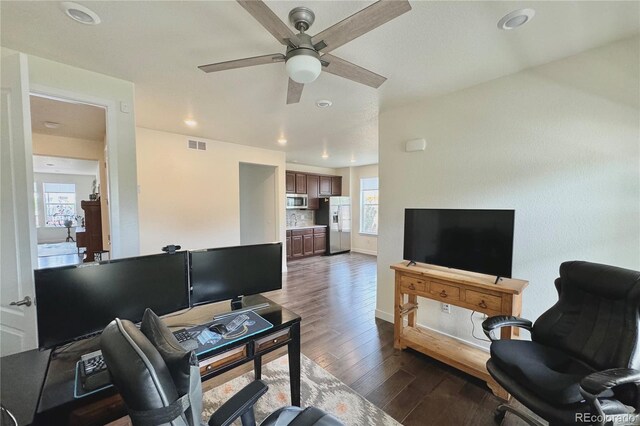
297	217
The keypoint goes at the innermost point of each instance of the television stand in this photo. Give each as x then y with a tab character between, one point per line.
469	290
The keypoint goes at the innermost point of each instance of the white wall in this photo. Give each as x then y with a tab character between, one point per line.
558	143
84	185
258	204
65	81
295	167
192	197
362	243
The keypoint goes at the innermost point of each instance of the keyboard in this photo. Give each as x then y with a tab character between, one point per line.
93	371
186	340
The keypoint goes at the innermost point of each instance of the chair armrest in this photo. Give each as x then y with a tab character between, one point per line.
238	404
596	383
500	321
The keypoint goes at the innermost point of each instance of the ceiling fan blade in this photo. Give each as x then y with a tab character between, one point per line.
241	63
294	92
268	19
360	23
346	69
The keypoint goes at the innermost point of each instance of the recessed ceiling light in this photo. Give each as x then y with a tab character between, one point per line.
282	141
325	155
80	13
516	19
190	122
51	124
324	103
49	164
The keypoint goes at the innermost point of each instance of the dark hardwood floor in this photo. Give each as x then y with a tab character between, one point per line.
336	297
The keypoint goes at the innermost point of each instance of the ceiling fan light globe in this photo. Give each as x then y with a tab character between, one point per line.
303	69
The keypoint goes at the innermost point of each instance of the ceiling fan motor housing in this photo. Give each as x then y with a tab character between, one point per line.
301	18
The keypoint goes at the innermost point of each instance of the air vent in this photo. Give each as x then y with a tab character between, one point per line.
202	146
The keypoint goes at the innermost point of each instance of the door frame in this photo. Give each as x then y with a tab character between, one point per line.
112	163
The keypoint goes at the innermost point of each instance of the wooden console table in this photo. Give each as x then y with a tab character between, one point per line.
468	290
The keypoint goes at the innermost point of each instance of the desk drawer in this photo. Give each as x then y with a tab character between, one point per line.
443	291
273	340
483	300
410	284
214	363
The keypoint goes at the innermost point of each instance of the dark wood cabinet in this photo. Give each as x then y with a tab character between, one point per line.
288	244
336	185
319	243
312	192
307	245
307	242
92	238
324	187
290	183
301	183
296	245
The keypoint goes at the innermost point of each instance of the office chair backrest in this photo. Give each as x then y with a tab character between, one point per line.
140	374
597	316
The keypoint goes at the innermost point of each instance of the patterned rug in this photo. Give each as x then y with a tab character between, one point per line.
318	388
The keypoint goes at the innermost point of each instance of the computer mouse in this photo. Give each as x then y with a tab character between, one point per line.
218	328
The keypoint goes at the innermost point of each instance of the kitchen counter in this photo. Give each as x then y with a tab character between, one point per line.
305	227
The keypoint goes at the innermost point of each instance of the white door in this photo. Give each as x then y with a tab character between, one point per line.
18	247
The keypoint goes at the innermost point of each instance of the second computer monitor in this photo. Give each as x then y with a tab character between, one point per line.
229	272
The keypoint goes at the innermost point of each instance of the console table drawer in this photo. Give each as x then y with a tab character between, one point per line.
209	365
444	291
412	284
483	300
273	340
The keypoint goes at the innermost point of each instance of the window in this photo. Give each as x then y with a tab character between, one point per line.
59	204
369	206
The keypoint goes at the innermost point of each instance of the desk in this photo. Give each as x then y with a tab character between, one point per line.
57	404
469	290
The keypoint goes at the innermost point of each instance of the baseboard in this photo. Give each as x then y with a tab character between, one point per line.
363	251
385	316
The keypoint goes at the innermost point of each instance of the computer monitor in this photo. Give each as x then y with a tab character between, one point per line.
77	301
230	272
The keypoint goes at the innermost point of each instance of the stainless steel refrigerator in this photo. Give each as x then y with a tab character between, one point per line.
335	212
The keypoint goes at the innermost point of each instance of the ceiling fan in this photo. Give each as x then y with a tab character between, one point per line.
306	55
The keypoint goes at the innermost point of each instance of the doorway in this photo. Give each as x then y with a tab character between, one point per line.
258	204
70	166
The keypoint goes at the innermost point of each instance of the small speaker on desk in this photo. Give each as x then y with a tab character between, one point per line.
416	145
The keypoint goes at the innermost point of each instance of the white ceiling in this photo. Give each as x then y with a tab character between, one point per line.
436	48
66	166
76	120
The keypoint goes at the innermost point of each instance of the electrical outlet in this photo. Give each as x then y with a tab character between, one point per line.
445	307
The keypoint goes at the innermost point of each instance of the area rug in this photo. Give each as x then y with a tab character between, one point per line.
318	388
57	249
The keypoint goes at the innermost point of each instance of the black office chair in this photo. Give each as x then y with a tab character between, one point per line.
160	382
583	358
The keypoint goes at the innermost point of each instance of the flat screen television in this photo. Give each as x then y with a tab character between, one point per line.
77	301
472	240
230	272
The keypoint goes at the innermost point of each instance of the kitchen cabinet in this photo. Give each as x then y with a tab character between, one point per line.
319	241
336	185
288	244
301	183
312	192
307	242
324	187
290	183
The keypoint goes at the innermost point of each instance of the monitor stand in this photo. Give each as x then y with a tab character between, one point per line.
236	303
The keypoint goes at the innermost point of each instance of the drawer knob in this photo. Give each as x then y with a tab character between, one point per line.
443	293
482	304
209	367
275	341
412	287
